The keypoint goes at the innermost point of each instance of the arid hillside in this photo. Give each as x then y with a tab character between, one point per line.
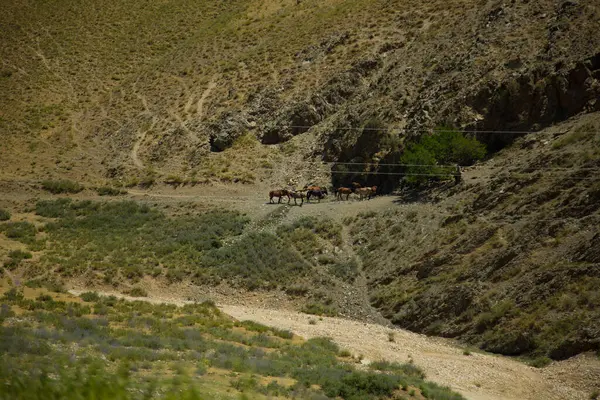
130	91
508	259
140	141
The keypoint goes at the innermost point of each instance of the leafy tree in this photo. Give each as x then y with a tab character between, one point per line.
430	156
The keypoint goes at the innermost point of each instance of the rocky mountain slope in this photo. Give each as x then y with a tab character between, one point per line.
258	92
123	89
509	259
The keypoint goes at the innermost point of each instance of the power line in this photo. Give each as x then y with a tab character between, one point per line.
334	163
404	130
447	174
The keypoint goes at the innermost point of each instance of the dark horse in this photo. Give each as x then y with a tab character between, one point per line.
296	195
319	194
321	188
279	193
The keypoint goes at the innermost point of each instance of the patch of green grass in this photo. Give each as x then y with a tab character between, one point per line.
346	270
15	258
51	284
316	308
4	214
323	227
90	296
21	231
540	362
138	292
129	240
258	260
62	186
109	191
578	135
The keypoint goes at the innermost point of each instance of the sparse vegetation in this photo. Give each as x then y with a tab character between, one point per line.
540	362
109	191
22	231
129	240
135	350
317	308
15	258
62	186
138	292
4	214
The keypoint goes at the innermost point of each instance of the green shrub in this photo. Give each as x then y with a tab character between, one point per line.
20	255
53	208
282	333
138	292
4	215
13	294
62	186
15	258
132	238
21	231
431	390
540	362
258	260
109	191
90	297
51	284
319	309
406	369
346	270
441	148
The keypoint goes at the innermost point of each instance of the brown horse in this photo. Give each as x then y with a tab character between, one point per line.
373	192
355	186
363	192
367	192
279	193
343	190
297	195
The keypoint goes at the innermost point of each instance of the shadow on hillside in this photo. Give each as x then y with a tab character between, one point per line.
430	193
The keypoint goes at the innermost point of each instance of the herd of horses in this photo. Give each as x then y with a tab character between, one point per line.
319	192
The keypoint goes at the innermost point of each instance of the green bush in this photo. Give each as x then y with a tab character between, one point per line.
258	260
130	240
15	258
20	255
38	360
138	292
90	297
346	270
441	148
21	231
109	191
62	186
540	362
315	308
4	215
404	369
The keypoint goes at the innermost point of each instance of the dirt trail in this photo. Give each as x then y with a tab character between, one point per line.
136	147
200	106
477	376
